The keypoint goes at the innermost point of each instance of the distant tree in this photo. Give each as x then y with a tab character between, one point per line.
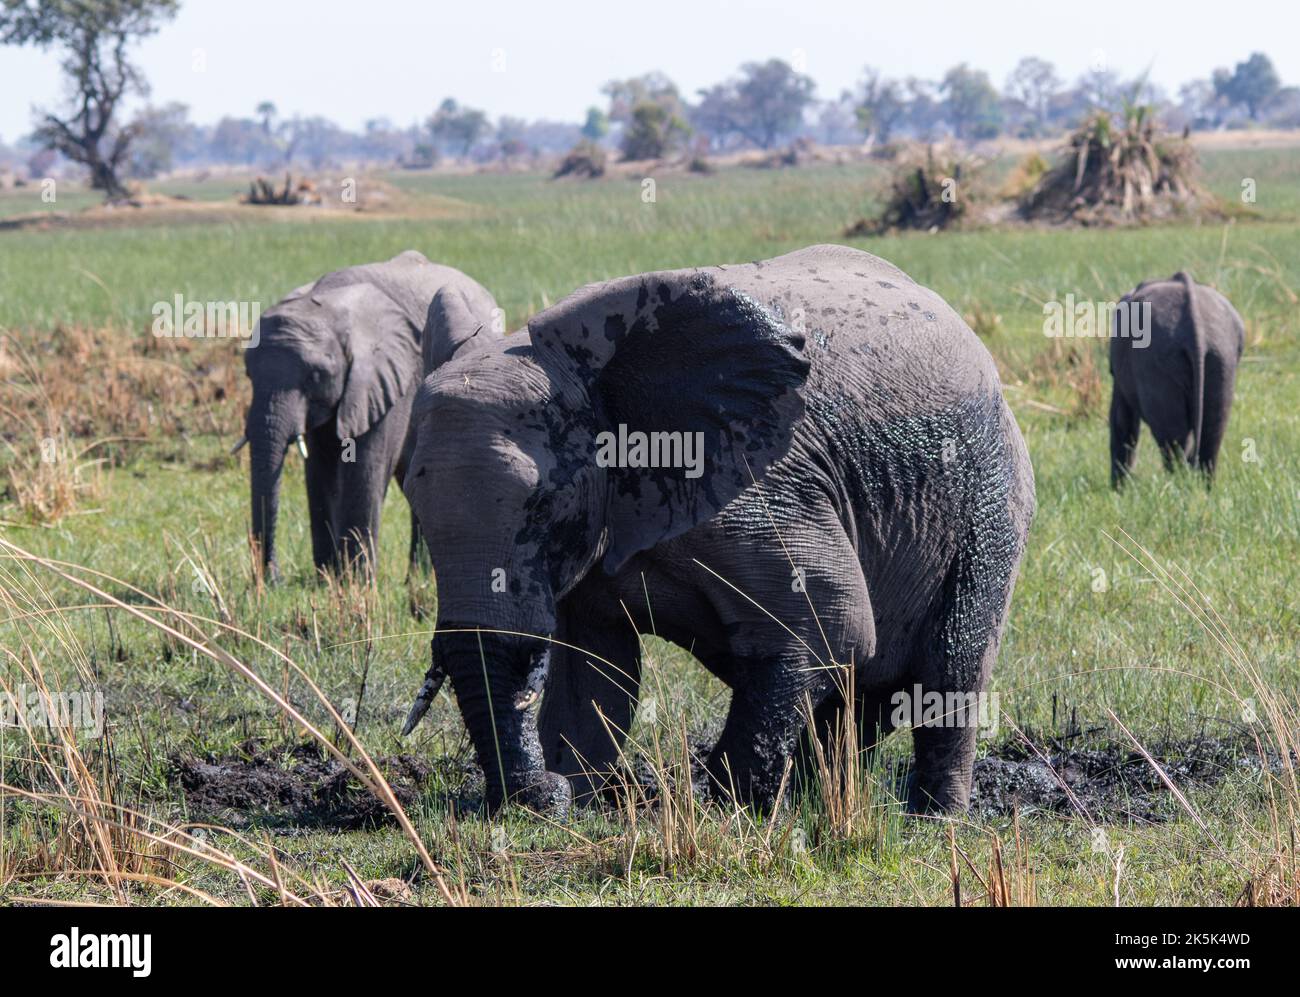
764	104
267	112
654	88
457	127
423	155
316	140
653	132
1101	89
1035	83
40	163
1199	104
596	127
242	141
923	109
971	102
1251	83
836	121
160	131
1284	108
551	136
510	138
382	140
93	37
881	106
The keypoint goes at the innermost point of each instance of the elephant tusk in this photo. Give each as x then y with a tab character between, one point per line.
535	683
302	446
243	442
424	698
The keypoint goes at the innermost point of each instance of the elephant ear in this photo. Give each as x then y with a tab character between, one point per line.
382	346
456	315
677	352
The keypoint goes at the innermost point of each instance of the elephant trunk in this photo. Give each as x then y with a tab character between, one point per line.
273	423
496	681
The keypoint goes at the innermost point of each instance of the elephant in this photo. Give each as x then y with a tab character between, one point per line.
787	467
335	366
1178	377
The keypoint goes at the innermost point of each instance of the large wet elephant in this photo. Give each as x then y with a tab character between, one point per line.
1178	377
335	367
828	475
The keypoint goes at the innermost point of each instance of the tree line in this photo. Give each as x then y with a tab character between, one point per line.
763	105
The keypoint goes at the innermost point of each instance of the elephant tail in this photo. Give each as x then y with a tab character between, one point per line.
1198	364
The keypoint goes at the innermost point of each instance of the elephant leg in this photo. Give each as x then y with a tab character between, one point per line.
1125	426
767	718
951	665
322	496
1214	419
810	580
1164	402
418	558
364	482
590	697
823	740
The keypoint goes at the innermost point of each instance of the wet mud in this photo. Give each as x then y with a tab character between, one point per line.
303	787
1106	780
1092	777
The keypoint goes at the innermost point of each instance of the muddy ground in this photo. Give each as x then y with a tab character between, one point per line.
1107	780
302	787
1096	777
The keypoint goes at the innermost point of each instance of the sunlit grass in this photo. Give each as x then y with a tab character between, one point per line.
1093	630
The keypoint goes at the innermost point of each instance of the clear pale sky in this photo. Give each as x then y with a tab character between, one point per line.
351	60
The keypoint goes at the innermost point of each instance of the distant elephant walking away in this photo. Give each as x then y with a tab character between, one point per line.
786	467
335	368
1179	379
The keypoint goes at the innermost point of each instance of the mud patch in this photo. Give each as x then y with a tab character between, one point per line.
1107	781
304	787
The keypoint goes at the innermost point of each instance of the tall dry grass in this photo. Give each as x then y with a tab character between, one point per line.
95	836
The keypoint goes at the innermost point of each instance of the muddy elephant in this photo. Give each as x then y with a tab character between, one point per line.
1178	376
335	368
784	467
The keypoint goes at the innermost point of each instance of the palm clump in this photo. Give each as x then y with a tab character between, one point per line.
1120	173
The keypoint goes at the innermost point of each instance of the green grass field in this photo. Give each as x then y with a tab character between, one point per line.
1097	638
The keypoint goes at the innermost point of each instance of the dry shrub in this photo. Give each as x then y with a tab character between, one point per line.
108	389
47	474
984	321
1072	367
1121	173
928	191
800	152
1276	885
585	160
1026	176
262	191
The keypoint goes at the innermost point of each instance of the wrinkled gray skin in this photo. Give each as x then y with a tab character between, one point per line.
1181	384
340	360
870	455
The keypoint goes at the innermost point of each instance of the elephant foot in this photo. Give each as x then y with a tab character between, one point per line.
932	798
547	794
758	787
